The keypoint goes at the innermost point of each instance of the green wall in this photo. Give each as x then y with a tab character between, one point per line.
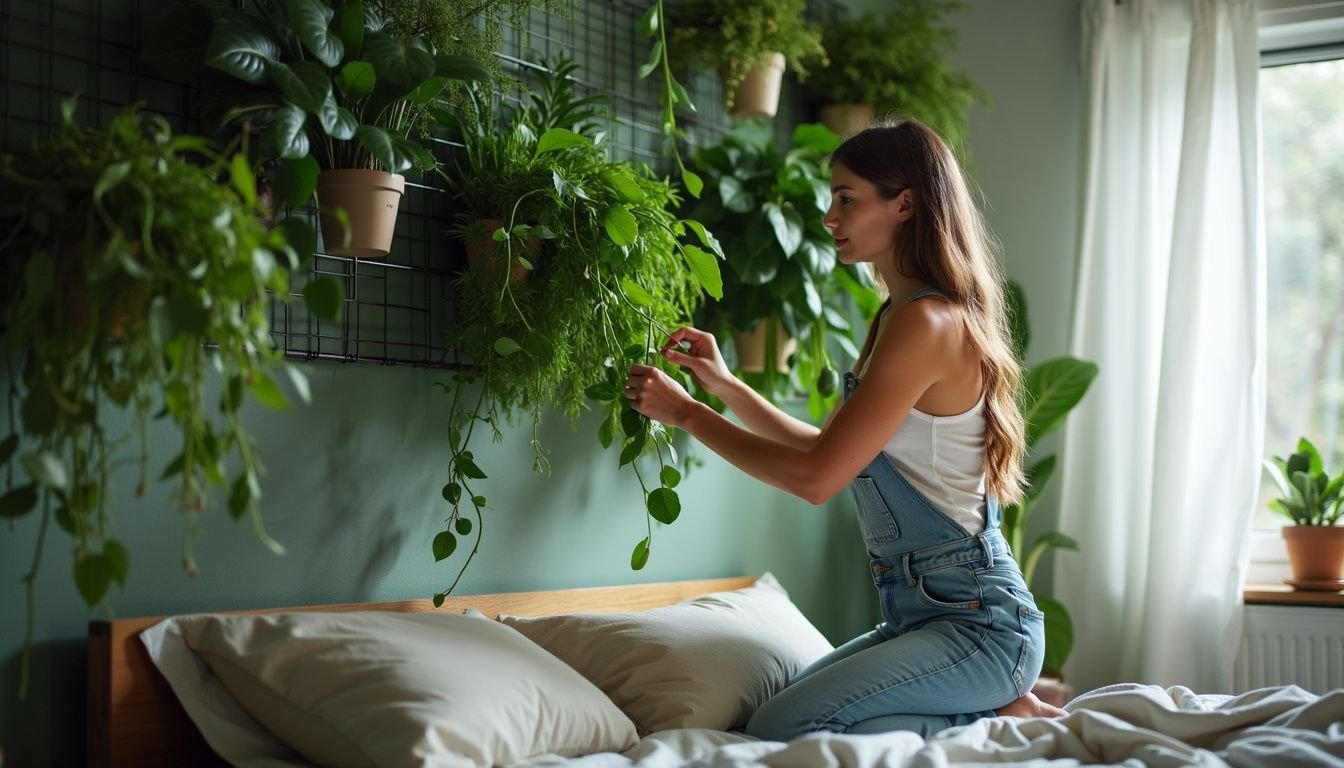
353	483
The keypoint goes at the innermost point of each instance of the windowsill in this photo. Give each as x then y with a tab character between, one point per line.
1281	594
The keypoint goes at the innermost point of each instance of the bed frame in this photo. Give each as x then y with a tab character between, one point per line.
134	718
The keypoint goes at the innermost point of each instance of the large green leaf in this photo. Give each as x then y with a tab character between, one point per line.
664	505
286	134
404	62
735	196
1058	634
557	139
241	47
705	267
621	225
350	26
356	79
393	154
788	226
311	21
1039	475
293	181
337	121
304	83
1053	388
456	67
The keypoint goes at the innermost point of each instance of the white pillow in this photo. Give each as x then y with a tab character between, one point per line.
390	689
707	662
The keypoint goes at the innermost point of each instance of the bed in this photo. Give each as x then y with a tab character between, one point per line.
659	676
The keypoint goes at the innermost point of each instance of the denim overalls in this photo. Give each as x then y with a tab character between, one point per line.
962	635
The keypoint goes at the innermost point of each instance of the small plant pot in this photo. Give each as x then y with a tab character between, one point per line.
481	245
758	94
370	200
751	348
1316	554
846	120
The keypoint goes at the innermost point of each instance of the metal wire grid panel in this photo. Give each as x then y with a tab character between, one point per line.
397	309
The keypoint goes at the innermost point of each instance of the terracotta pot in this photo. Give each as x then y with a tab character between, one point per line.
847	119
481	244
751	348
370	200
758	94
1316	552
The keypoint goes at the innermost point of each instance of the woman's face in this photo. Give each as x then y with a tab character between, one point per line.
863	222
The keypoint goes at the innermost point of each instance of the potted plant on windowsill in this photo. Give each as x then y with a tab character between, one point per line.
335	92
750	44
619	271
1051	389
135	268
782	277
1314	502
893	60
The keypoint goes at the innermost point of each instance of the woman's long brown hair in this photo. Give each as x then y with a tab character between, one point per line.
947	244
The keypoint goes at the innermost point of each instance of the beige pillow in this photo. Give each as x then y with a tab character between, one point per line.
387	689
708	662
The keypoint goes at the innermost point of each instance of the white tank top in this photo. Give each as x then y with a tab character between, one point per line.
943	457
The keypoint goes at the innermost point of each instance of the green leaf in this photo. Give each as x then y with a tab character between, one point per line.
240	497
305	84
350	26
694	184
557	139
18	502
118	560
268	392
632	422
324	297
669	476
655	58
468	468
299	235
636	293
640	557
505	346
438	599
392	154
706	237
338	122
815	136
452	492
605	432
1039	475
92	577
478	501
47	469
356	79
428	91
457	67
621	225
463	526
624	185
705	267
240	47
631	450
445	543
1058	634
680	96
310	20
664	505
400	60
286	134
788	227
603	392
1053	388
111	177
735	196
293	181
648	23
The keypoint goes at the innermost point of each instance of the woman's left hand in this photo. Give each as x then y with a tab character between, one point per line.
655	394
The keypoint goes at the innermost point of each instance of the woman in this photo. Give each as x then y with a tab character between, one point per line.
930	440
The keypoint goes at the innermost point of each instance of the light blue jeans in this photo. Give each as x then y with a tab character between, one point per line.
962	634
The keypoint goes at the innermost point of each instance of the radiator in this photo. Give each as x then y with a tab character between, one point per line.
1298	645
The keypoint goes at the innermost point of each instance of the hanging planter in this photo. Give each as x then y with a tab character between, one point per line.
751	347
370	200
481	244
847	119
758	93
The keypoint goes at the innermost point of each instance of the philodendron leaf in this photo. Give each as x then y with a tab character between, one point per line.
241	47
640	557
452	492
356	79
339	122
47	469
324	297
788	227
311	21
664	505
350	26
455	67
402	61
669	477
286	134
445	543
1053	388
468	468
305	84
1058	634
394	154
621	225
118	560
18	502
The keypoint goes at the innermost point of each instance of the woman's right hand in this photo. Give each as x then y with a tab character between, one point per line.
702	357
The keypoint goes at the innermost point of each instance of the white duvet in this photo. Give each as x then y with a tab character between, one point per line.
1130	725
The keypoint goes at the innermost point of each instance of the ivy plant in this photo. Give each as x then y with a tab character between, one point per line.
136	269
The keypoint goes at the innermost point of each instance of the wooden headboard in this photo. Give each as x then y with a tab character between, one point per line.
134	718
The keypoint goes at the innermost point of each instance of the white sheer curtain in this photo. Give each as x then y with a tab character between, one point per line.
1160	462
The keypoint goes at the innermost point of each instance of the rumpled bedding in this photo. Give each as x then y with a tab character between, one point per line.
1127	725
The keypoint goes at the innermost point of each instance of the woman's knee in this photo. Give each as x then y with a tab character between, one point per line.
775	720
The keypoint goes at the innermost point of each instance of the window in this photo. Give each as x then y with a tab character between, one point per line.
1302	112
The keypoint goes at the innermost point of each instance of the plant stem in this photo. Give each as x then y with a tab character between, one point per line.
29	580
